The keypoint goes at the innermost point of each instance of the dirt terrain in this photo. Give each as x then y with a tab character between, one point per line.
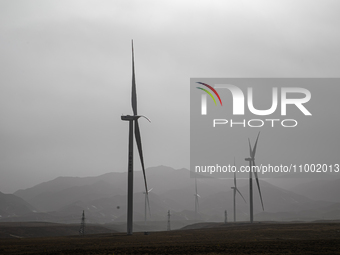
45	229
264	238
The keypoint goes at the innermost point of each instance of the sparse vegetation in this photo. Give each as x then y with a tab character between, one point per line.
264	238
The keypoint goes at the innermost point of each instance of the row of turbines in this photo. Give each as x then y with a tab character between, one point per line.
134	131
251	161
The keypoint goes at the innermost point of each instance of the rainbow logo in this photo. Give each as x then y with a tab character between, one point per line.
212	89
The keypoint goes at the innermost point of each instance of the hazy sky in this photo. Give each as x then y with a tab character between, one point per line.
66	74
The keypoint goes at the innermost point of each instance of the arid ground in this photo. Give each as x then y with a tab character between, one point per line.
205	238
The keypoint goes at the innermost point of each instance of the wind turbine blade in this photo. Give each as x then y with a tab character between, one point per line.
250	150
240	194
147	201
139	146
145	118
133	92
150	190
258	185
254	150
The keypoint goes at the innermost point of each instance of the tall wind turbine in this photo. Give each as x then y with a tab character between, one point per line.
146	204
252	163
196	200
133	120
236	190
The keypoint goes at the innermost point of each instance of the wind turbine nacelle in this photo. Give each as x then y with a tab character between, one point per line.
129	117
248	159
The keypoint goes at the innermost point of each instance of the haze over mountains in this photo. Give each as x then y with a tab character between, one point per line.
104	199
13	206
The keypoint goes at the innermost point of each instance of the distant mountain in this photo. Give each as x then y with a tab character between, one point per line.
12	206
289	181
54	194
103	198
52	201
113	209
327	190
63	183
274	199
330	212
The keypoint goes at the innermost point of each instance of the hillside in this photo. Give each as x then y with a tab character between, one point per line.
104	199
12	206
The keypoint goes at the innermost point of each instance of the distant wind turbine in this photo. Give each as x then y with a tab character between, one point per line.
196	200
133	120
146	204
168	228
252	163
236	190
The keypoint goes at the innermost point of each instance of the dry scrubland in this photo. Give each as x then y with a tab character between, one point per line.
264	238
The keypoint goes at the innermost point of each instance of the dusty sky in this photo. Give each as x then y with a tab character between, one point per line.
66	74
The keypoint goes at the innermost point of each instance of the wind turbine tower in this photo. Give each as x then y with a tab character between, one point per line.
251	161
168	228
82	225
236	190
196	200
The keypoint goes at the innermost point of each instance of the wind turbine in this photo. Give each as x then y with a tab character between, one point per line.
168	228
196	200
252	163
236	190
146	204
133	120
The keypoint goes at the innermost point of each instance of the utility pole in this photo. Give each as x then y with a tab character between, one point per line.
82	225
225	217
168	227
